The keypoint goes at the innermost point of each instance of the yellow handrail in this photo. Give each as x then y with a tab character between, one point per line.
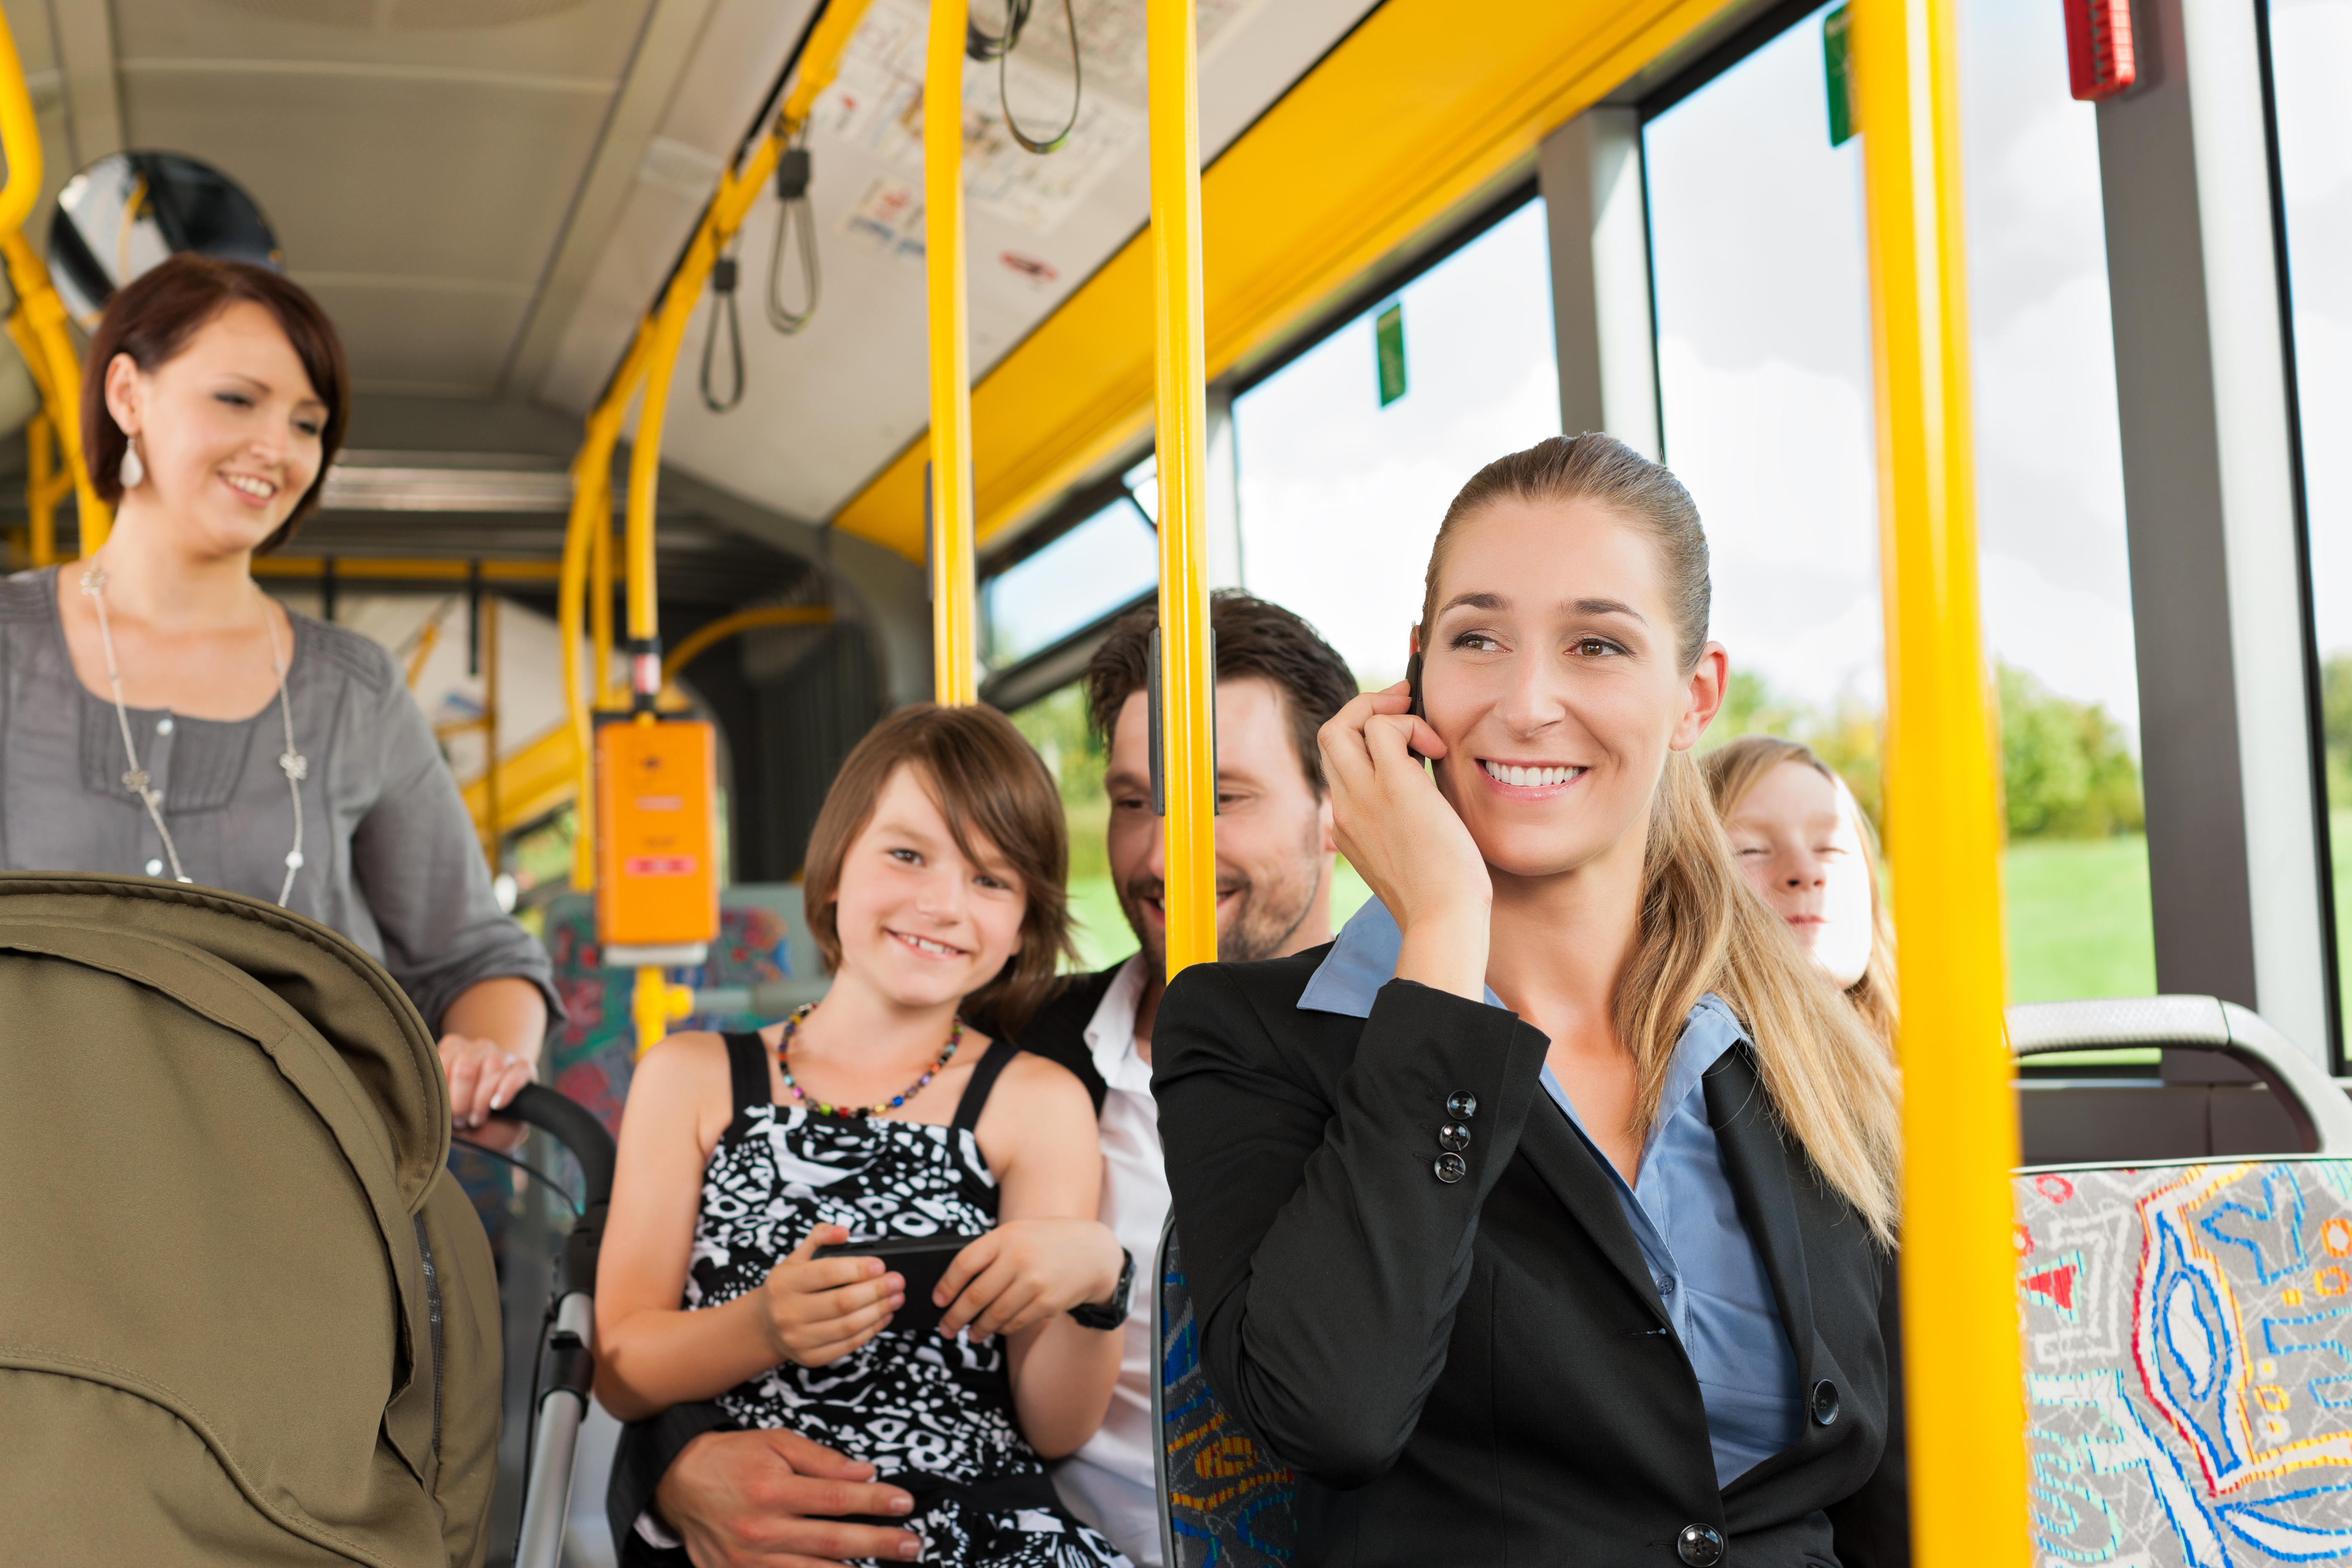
652	355
1187	680
702	637
39	322
954	647
1965	1400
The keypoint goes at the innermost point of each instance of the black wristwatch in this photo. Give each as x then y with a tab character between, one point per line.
1113	1314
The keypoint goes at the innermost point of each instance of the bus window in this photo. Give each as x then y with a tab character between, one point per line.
1098	566
1765	383
1340	494
2056	574
2308	40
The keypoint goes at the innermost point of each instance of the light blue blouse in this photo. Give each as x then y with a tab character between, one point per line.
1680	1207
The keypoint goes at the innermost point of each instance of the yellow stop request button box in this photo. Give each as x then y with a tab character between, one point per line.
657	885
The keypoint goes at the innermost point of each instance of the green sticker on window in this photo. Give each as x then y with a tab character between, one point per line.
1388	339
1837	56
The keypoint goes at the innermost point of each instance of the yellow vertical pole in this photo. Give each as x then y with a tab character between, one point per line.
40	505
954	647
1964	1393
1187	679
39	322
493	827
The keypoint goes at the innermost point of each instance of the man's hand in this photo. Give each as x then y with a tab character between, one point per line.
776	1500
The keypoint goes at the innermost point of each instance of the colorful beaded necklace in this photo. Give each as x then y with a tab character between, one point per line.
791	1028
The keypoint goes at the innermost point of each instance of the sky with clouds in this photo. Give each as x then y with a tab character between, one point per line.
1764	358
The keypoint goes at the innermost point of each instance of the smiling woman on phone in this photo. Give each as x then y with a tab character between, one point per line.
1549	1214
163	717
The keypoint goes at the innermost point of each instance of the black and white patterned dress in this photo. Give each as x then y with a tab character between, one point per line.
933	1416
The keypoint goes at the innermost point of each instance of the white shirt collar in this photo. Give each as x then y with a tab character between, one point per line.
1111	1034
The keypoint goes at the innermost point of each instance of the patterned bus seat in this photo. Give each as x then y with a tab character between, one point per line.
2186	1325
1223	1498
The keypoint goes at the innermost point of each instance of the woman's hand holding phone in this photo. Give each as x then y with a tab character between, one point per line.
818	1309
1025	1271
1404	838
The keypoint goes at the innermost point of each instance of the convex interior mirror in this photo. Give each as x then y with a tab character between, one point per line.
131	210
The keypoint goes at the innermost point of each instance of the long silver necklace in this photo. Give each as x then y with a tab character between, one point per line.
136	779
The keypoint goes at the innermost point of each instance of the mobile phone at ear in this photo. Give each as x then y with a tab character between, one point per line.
919	1260
1413	689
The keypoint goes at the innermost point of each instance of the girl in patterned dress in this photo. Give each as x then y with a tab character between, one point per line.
935	889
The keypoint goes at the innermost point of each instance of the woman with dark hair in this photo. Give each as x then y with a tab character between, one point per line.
1549	1215
162	716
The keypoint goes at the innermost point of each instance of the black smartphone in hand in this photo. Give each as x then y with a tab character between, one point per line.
920	1261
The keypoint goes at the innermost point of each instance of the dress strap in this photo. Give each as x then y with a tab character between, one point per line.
747	1064
984	1079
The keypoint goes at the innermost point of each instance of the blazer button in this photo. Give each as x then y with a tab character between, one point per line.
1462	1105
1453	1137
1825	1402
1699	1545
1450	1168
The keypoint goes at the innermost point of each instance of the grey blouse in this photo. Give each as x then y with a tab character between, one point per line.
390	856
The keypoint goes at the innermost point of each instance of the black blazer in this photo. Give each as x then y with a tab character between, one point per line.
1481	1371
648	1448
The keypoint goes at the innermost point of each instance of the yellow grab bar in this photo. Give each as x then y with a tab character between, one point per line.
39	322
1187	678
954	645
695	643
587	541
1965	1398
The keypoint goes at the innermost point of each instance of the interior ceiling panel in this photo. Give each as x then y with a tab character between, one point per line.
404	337
417	158
827	408
535	38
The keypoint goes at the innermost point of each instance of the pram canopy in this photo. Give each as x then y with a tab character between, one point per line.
246	1315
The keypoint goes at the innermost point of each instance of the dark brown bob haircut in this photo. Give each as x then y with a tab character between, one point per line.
1253	638
153	317
990	783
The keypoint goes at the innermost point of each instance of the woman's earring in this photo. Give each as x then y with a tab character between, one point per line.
134	472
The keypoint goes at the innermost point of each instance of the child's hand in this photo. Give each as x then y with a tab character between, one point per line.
820	1309
1025	1271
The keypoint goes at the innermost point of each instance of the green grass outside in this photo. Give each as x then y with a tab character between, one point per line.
2078	915
2079	921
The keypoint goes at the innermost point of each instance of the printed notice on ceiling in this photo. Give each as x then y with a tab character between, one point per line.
875	103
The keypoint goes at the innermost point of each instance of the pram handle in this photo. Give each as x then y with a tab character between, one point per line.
576	1127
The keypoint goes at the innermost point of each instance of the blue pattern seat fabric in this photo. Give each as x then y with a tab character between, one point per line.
2186	1324
2188	1337
1223	1498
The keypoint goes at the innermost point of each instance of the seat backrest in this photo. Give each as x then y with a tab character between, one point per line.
245	1317
2188	1339
1223	1498
2188	1324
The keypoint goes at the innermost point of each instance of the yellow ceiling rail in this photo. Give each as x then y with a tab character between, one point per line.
533	780
651	356
1417	109
37	324
954	647
702	639
1188	677
1964	1386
